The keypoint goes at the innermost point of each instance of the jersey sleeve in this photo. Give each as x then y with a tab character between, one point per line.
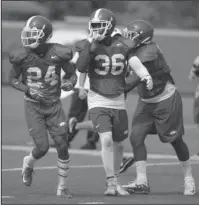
83	61
80	45
63	53
16	56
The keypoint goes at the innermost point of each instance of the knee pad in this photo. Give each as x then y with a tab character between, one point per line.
106	140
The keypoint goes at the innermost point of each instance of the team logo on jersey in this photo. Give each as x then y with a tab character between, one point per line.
62	124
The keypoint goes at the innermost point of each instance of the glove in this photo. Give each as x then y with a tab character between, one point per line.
66	85
82	93
35	94
149	82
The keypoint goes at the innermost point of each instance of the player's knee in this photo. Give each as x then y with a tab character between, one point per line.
62	147
136	138
43	149
106	139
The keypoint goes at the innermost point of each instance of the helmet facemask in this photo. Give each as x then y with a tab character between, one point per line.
98	29
30	37
135	37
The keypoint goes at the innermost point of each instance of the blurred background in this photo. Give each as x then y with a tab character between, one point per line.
177	24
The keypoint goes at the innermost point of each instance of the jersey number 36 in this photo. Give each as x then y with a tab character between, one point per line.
110	64
35	74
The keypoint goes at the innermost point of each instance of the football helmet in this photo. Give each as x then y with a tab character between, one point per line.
139	31
37	30
102	23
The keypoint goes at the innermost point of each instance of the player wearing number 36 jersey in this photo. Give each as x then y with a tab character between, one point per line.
105	56
40	63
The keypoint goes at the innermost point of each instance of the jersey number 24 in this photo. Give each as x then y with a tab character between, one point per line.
35	75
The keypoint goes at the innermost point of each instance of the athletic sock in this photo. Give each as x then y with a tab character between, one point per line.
141	172
63	169
30	160
187	170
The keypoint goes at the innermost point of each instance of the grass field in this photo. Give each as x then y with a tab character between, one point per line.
86	178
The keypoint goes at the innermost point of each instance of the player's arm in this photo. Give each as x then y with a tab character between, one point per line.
141	71
69	79
84	58
14	80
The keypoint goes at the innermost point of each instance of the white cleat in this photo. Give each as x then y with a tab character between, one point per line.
71	124
189	187
26	173
64	193
111	189
121	191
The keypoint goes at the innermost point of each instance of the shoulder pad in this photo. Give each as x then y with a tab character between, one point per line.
148	52
62	51
16	56
80	45
125	41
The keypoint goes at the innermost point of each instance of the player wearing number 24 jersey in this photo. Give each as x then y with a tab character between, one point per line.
105	56
40	63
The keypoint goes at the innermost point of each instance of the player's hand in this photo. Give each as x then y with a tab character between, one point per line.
66	85
149	82
36	94
192	74
82	93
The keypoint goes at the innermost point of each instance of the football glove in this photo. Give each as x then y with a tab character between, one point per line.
66	85
35	94
149	82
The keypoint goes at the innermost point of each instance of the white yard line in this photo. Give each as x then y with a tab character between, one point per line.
90	152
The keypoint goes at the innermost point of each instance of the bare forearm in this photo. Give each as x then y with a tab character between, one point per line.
82	79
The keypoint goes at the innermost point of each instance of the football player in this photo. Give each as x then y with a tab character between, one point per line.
105	58
39	63
159	110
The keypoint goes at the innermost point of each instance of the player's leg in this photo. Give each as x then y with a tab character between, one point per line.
120	133
142	124
38	131
171	112
101	119
57	126
92	139
77	113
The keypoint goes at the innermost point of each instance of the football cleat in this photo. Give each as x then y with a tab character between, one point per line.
126	163
63	193
189	187
72	124
111	187
26	173
121	191
134	188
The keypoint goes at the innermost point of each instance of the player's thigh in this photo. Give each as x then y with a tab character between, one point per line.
101	118
120	125
56	121
142	122
36	123
168	117
196	106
